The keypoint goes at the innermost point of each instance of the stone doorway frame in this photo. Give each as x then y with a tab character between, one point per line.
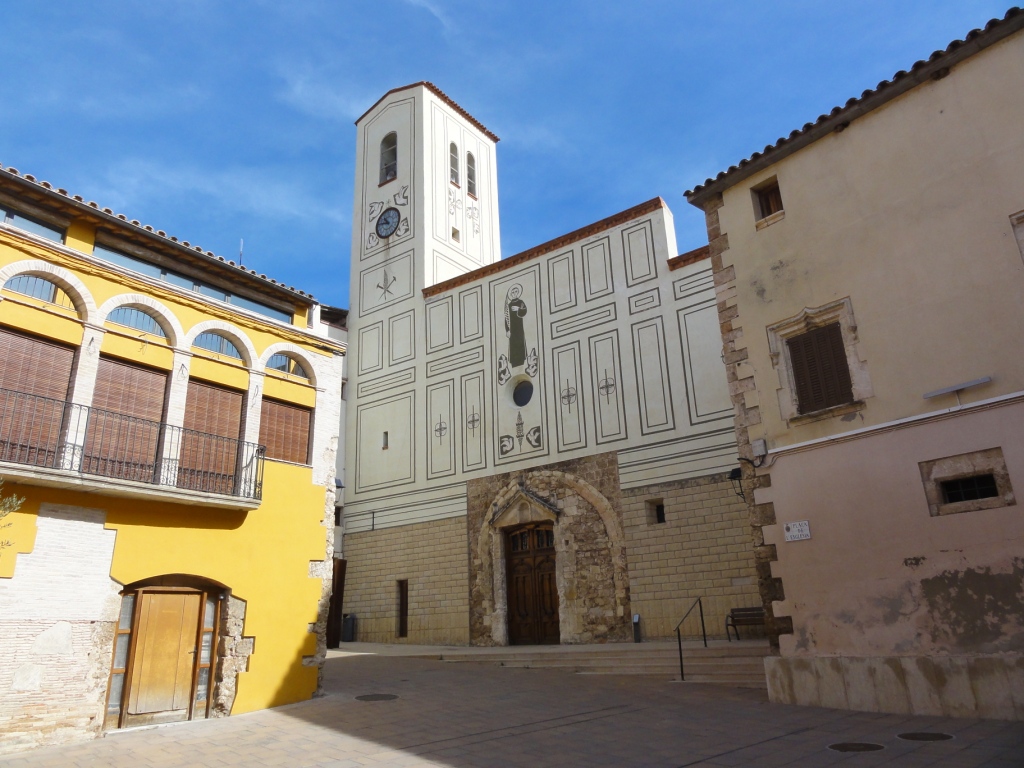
517	505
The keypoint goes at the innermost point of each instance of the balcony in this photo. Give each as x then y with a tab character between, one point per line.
53	442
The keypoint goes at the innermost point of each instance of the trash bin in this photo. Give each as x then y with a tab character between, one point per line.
348	628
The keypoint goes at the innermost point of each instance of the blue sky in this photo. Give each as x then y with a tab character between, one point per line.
217	121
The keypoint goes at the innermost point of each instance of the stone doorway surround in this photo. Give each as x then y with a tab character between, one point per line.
591	574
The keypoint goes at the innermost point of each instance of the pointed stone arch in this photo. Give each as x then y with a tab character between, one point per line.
556	497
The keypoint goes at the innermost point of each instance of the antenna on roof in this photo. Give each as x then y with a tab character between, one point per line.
241	247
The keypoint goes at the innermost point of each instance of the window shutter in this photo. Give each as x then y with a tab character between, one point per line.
213	410
284	429
208	463
35	366
821	374
130	389
123	438
30	427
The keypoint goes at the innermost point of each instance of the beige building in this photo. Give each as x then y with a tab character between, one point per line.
538	446
870	277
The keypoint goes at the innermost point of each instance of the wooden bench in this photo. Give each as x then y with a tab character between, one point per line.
743	617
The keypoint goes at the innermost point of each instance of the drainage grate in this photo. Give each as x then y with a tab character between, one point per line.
376	697
855	746
924	736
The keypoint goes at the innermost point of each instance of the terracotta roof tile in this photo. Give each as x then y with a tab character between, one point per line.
551	245
441	95
935	67
122	220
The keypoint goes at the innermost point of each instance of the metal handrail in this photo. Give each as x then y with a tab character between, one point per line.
698	603
55	434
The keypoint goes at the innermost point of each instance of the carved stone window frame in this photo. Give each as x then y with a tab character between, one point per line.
937	471
807	319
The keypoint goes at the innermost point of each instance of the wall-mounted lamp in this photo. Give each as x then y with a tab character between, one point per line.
736	475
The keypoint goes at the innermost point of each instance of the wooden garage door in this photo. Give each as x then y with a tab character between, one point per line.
124	427
209	451
34	380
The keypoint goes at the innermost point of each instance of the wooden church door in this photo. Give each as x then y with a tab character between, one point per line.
532	592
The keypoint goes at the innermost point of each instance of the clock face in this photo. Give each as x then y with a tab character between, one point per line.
388	222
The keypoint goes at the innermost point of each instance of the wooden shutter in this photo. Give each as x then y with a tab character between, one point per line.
820	370
213	410
34	379
209	451
34	366
124	426
284	429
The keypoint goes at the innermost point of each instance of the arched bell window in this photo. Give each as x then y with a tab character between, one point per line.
453	162
389	158
471	174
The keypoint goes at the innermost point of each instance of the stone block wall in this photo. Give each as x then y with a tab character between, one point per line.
590	552
57	620
939	686
702	549
432	556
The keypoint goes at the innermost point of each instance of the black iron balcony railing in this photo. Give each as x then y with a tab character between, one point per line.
43	432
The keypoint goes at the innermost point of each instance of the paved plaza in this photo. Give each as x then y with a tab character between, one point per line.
462	715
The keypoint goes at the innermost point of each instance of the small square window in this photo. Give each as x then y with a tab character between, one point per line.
769	200
967	482
455	234
655	511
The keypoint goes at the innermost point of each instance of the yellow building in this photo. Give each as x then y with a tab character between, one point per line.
171	421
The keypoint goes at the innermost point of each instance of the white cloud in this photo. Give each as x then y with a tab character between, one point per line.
432	8
260	192
314	93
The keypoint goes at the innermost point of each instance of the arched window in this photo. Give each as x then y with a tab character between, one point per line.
453	163
471	174
285	364
40	288
214	342
389	157
138	319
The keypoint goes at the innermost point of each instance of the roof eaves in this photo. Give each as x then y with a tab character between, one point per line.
121	221
935	68
551	245
441	95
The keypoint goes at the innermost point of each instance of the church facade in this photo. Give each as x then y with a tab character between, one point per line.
538	446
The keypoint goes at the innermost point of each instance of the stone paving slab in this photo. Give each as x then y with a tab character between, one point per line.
464	716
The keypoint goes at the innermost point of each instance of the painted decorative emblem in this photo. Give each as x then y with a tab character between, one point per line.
506	444
384	286
473	420
533	437
606	387
473	214
568	396
454	204
402	196
519	428
504	372
388	222
440	429
531	363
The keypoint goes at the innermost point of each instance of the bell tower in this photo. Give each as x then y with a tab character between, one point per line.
426	196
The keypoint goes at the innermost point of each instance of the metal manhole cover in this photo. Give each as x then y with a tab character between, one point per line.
855	746
924	736
376	697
